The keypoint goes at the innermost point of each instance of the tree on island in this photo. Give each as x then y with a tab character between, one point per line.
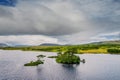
71	51
68	57
40	57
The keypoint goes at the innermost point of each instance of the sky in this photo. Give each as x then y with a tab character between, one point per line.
33	22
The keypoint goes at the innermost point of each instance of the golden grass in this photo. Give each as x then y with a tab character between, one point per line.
94	51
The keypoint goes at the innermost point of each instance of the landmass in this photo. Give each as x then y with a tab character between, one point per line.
104	47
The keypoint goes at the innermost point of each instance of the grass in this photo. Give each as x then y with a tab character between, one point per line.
94	51
86	48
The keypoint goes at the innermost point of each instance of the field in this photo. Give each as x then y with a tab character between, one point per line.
86	48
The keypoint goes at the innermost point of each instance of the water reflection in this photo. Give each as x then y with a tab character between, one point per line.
70	72
62	72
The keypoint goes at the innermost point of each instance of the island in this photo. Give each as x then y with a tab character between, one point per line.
68	57
37	62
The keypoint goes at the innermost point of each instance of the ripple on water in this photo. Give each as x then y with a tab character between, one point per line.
97	67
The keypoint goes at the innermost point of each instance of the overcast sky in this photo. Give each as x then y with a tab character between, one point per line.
58	21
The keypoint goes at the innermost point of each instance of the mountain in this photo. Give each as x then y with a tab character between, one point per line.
3	45
50	44
108	42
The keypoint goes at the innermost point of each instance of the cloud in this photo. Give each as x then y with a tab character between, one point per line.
70	21
27	39
41	18
106	37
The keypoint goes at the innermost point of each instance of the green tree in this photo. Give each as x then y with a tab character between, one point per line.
40	57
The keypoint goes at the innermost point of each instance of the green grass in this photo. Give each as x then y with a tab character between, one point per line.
94	51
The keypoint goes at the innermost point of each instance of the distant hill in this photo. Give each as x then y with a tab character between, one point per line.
97	43
50	44
108	42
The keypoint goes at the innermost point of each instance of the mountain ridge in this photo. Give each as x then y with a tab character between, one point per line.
107	42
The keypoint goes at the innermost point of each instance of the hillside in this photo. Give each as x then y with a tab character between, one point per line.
108	42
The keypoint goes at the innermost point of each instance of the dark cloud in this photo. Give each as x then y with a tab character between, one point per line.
116	0
35	18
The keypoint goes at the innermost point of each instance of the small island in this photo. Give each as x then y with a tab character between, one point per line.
68	57
36	63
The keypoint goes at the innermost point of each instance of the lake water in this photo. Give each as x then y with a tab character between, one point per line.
97	67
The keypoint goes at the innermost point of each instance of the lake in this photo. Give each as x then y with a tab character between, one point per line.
97	67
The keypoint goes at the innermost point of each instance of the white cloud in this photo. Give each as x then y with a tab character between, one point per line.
27	39
50	18
106	36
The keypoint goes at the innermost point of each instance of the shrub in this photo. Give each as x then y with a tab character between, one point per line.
114	50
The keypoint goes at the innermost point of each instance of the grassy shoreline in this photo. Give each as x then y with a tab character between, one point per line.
81	49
